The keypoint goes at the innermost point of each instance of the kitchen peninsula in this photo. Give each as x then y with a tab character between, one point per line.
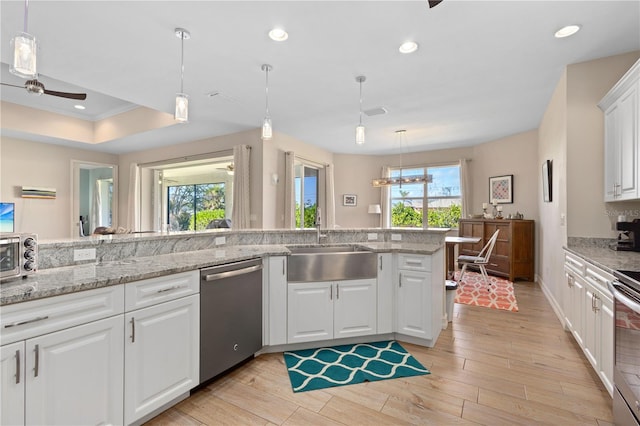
141	296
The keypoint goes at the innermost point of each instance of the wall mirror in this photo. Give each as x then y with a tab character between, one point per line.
187	194
95	197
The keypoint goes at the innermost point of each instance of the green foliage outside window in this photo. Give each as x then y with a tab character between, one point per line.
203	218
407	216
309	215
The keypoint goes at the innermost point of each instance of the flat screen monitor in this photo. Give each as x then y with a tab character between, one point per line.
7	217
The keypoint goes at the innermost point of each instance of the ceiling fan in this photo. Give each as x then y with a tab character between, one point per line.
37	88
433	3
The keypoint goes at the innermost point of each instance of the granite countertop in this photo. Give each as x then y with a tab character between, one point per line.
70	279
606	258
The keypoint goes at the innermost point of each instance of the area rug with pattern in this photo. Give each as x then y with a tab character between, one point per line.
473	291
311	369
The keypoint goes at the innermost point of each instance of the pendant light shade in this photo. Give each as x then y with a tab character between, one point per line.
267	129
181	114
24	47
360	127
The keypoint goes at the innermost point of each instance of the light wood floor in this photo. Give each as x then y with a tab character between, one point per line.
489	367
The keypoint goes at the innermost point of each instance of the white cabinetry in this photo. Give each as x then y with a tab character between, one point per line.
621	108
385	293
420	295
327	310
588	311
62	359
162	350
275	301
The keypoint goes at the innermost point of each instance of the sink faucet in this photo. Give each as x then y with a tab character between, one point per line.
318	225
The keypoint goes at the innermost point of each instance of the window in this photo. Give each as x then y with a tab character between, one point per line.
193	207
306	193
441	196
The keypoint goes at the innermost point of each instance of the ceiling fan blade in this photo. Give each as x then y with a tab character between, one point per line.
434	3
12	85
78	96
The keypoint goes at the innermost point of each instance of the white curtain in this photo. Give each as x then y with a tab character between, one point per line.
96	206
289	190
241	214
133	204
465	187
330	199
385	199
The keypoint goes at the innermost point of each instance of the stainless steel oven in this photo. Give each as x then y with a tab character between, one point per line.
626	375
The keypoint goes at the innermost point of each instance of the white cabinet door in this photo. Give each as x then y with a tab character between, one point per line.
611	153
385	293
580	304
12	359
606	341
354	311
414	304
628	143
310	307
162	355
75	376
591	326
275	308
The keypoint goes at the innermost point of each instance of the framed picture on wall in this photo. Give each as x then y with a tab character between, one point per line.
501	189
349	200
546	181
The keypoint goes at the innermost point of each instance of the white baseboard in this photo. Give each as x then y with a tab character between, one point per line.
555	305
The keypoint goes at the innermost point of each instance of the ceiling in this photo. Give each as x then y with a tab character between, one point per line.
484	69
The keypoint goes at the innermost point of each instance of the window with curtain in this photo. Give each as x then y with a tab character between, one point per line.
436	204
306	194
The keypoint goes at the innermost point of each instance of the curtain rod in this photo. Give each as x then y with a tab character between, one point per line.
205	156
311	162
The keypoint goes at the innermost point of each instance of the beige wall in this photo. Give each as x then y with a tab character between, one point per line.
24	163
587	83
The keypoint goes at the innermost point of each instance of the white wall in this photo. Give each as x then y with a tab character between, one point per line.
25	163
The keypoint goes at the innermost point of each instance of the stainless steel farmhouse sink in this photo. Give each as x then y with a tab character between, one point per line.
330	263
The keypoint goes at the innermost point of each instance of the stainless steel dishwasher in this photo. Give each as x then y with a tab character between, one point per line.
230	315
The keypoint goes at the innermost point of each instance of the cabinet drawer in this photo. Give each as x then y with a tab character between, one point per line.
499	264
413	262
598	278
30	319
150	292
574	264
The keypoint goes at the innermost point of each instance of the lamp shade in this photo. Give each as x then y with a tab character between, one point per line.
375	209
360	134
182	108
24	56
267	130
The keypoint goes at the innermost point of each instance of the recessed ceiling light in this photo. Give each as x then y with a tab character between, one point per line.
408	47
567	31
278	34
79	106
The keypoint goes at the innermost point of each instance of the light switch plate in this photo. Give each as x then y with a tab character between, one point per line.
84	254
396	237
372	236
220	240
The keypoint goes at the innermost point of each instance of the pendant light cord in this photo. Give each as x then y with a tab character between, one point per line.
266	89
182	62
26	15
361	102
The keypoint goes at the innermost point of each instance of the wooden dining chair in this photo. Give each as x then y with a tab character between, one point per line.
481	260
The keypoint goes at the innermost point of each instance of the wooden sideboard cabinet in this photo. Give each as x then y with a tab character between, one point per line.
513	255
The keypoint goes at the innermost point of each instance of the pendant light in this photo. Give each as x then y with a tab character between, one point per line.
399	180
182	99
24	48
360	128
267	129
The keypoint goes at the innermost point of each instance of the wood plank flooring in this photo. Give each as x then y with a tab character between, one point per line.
489	367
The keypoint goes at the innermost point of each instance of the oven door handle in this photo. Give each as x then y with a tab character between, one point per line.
623	298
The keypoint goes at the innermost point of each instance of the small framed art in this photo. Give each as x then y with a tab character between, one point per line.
501	189
349	200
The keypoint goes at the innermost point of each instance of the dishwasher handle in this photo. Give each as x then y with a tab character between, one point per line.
234	273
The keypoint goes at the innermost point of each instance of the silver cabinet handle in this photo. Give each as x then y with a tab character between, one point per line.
283	271
175	287
400	281
381	263
331	292
133	330
36	368
15	324
17	366
338	291
570	280
596	308
414	262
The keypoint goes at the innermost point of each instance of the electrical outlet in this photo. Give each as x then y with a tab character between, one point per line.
372	236
396	237
563	219
220	240
84	254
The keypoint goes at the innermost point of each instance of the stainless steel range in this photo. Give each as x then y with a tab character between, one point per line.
626	375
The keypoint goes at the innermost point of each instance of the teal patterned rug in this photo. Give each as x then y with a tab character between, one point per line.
312	369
